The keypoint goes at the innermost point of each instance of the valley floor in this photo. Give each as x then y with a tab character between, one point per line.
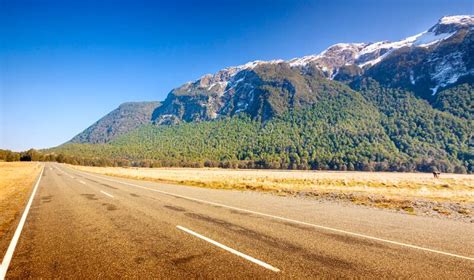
83	225
450	196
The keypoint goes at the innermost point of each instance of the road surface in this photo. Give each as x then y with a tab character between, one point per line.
84	226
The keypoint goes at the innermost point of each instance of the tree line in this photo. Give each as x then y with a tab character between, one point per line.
410	166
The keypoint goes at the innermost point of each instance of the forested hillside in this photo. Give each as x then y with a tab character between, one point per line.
377	129
125	118
457	100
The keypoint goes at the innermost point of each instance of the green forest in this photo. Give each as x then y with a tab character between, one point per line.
372	129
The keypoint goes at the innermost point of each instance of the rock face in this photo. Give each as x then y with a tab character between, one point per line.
125	118
428	69
263	91
425	64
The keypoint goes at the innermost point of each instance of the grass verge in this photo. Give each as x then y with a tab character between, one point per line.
16	182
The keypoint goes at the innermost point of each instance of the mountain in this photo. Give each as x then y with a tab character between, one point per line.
125	118
372	128
425	63
324	136
399	106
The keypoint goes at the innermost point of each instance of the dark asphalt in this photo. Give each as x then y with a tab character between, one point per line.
76	230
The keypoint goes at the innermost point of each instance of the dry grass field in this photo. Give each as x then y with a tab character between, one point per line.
416	193
16	182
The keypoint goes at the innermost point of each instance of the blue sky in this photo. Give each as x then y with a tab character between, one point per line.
64	64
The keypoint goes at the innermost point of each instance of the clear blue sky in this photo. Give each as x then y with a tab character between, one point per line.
64	64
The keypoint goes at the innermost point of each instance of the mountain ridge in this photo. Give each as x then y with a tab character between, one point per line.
126	117
395	106
431	62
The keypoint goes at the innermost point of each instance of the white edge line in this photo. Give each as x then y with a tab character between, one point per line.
11	248
292	221
233	251
107	194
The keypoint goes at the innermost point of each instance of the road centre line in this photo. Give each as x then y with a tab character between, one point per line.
16	236
228	249
107	194
294	221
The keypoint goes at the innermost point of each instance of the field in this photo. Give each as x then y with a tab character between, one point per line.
451	195
16	181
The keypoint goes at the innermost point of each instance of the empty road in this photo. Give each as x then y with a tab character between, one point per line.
83	226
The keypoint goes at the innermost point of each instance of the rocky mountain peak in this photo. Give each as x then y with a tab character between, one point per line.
450	24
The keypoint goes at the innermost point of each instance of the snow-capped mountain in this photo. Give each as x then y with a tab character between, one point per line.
363	54
369	54
424	63
436	65
360	54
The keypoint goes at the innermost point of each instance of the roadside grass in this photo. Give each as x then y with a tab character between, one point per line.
16	182
400	191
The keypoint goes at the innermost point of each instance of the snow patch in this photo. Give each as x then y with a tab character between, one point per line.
448	70
412	77
253	64
461	20
434	90
426	39
239	80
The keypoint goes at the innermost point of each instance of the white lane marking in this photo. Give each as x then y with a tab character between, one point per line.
295	221
233	251
11	248
107	194
82	182
72	177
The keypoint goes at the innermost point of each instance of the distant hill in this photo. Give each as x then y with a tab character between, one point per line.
125	118
404	105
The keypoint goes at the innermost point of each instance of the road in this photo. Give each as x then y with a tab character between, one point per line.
84	226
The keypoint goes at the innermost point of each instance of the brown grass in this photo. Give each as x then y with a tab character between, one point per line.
392	186
16	181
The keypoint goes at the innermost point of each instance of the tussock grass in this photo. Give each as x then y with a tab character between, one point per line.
393	186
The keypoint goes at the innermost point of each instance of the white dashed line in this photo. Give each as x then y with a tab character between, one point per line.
228	249
82	182
107	194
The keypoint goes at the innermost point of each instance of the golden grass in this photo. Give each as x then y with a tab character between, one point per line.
16	181
392	186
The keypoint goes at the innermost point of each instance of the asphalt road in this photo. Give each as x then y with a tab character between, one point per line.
84	226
